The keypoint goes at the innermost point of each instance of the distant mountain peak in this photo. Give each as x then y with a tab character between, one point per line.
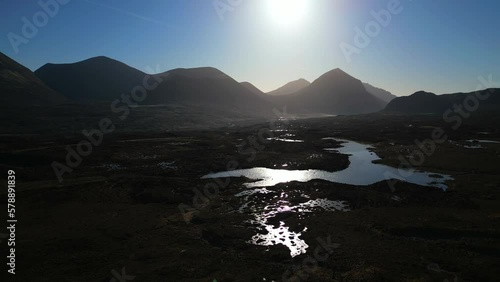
210	69
99	58
99	63
95	79
336	73
199	72
335	92
423	102
422	93
290	88
101	79
252	88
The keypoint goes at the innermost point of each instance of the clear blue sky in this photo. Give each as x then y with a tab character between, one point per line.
435	45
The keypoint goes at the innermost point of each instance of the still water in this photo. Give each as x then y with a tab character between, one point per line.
361	171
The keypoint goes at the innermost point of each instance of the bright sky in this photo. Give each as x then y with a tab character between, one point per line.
439	46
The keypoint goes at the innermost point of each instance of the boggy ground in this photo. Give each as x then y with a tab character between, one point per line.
119	210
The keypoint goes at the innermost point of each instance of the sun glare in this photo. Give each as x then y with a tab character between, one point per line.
288	13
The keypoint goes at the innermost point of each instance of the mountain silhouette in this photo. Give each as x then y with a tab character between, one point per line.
335	92
20	87
203	86
253	88
423	102
380	93
290	88
93	80
102	79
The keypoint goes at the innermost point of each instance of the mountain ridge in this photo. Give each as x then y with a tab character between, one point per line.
290	87
334	92
101	78
95	79
253	88
380	93
20	86
422	102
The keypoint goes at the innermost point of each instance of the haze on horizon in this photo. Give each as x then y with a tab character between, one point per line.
437	46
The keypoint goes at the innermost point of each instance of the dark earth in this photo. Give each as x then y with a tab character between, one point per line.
137	206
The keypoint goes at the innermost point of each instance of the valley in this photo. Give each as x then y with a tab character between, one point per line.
139	201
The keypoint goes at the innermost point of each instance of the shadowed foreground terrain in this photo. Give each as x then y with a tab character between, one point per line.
120	207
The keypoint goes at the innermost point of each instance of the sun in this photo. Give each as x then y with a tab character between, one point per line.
287	13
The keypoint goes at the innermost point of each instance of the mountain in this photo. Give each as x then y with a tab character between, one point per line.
429	103
252	88
380	93
92	80
102	79
335	92
20	87
290	88
203	86
419	102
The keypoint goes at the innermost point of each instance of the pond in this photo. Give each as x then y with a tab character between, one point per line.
361	171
